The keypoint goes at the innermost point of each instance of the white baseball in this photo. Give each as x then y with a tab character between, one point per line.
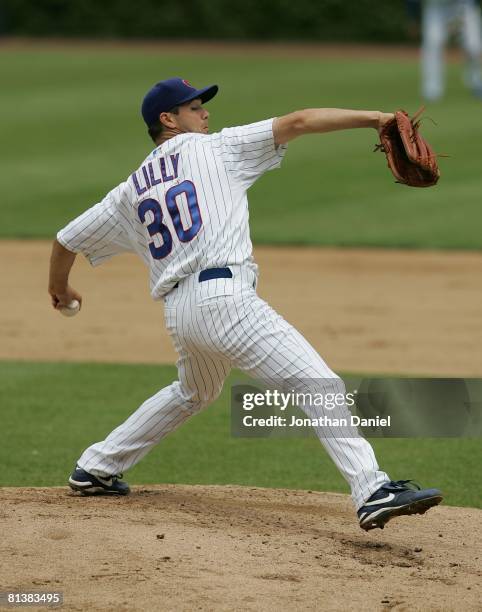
71	310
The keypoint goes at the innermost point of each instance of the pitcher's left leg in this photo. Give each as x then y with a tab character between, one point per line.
274	351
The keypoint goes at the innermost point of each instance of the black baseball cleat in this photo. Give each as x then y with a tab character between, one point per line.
394	499
88	484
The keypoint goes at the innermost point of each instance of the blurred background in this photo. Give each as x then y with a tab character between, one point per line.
73	75
325	20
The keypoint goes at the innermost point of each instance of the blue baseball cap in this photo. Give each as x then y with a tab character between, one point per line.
170	93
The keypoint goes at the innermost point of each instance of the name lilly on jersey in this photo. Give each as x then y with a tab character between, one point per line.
159	170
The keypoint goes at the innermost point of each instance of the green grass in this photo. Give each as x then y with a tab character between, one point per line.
71	130
51	412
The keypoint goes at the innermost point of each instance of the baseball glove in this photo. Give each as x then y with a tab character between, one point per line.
410	158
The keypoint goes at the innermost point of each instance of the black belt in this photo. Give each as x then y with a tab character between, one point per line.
211	273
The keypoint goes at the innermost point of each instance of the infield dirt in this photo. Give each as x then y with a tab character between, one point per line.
364	310
185	548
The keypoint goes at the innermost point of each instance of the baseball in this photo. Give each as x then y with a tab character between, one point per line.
71	310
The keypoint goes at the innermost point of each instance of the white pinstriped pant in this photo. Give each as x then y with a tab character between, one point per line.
216	325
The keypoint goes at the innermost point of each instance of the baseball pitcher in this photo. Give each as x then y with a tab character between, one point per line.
184	211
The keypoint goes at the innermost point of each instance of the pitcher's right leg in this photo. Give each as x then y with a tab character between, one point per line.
201	380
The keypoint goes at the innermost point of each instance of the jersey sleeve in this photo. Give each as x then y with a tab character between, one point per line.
248	151
98	233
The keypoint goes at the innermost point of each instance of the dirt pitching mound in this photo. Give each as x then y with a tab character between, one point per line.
174	547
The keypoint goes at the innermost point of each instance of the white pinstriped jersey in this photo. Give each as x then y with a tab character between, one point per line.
185	209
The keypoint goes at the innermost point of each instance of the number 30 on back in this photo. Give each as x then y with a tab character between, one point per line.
159	229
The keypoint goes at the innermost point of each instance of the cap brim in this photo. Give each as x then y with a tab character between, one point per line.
205	94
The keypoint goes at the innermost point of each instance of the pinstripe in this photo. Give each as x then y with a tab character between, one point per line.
197	338
223	184
269	371
220	228
216	324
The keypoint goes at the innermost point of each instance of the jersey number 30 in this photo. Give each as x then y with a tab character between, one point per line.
159	229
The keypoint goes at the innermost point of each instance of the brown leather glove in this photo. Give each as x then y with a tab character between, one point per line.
410	158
